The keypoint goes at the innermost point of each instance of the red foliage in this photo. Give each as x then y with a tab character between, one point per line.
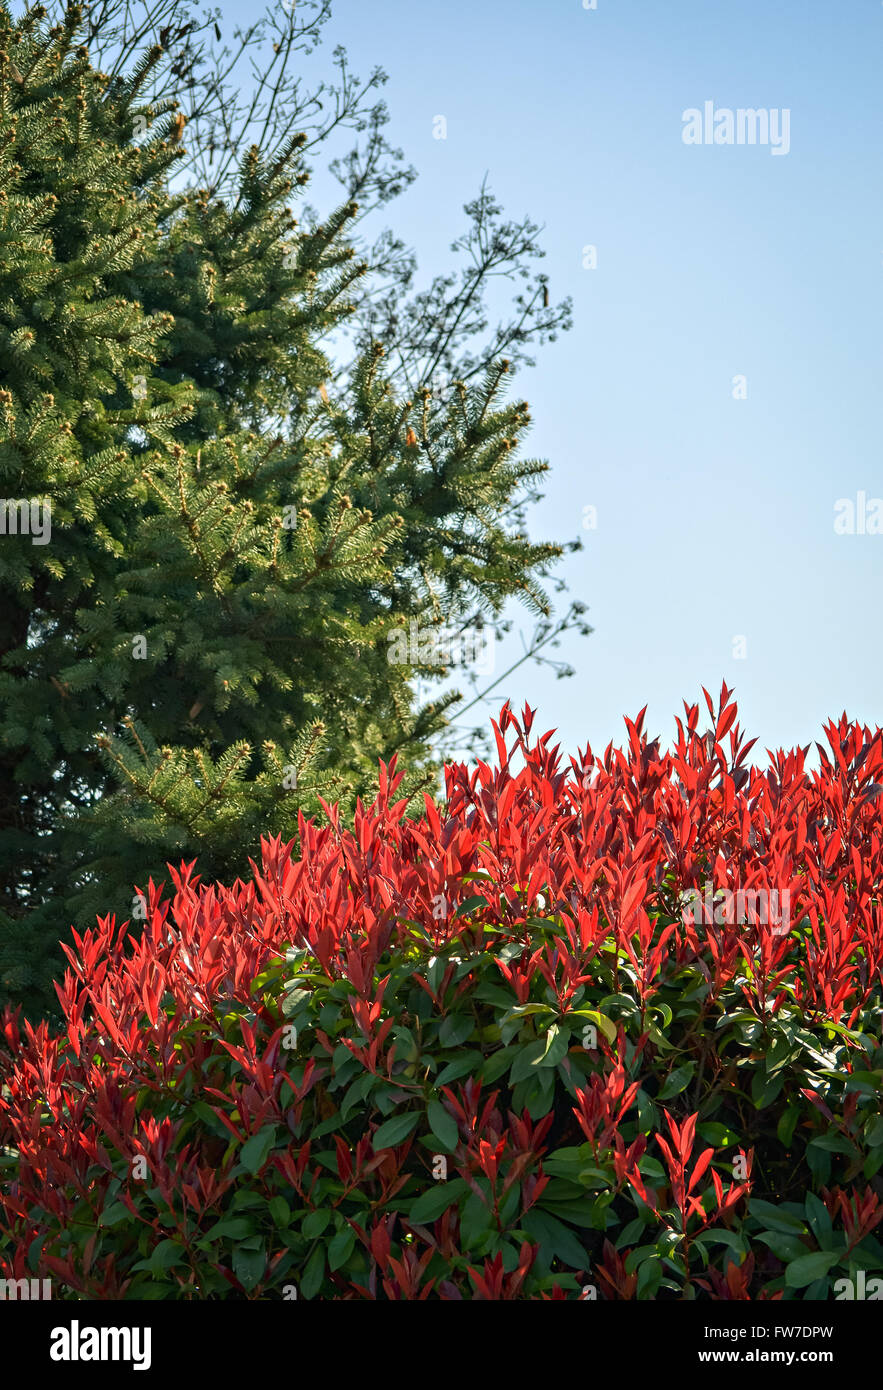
608	845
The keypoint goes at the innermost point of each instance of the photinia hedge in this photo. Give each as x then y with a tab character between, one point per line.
605	1030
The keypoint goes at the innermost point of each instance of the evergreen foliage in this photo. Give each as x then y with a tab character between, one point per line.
200	650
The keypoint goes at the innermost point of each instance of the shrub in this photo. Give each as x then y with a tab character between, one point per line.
513	1049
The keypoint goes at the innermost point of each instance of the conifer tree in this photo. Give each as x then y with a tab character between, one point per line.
200	650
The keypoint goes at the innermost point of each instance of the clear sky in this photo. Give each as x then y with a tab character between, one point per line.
715	514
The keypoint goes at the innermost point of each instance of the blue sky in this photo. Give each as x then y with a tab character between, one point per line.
715	515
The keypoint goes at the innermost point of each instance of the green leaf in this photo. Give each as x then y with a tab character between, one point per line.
809	1267
210	1119
249	1266
601	1021
163	1257
312	1275
658	1038
832	1143
721	1136
635	1258
35	1252
720	1236
784	1247
407	1049
874	1132
819	1163
649	1278
356	1093
781	1051
387	1098
247	1198
817	1291
475	1221
455	1029
648	1114
740	1016
528	1059
537	1093
315	1223
341	1247
496	1063
114	1213
166	1254
787	1124
665	1011
280	1212
556	1238
566	1163
632	1232
232	1228
775	1217
490	993
561	1190
471	905
670	1240
869	1083
523	1010
443	1125
393	1131
430	1205
764	1089
677	1081
256	1150
557	1043
595	1177
819	1220
578	1212
470	1062
873	1163
622	1001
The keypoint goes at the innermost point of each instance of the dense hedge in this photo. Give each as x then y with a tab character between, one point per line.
513	1049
